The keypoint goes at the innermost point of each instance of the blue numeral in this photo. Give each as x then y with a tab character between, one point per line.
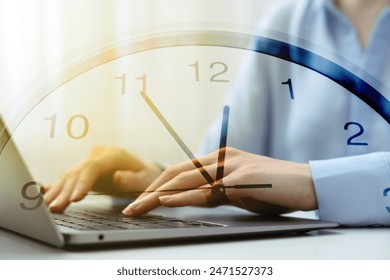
385	192
360	132
290	87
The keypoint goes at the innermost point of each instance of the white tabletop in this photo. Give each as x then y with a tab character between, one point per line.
339	243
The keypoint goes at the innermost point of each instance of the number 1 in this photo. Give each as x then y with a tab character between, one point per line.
290	87
143	79
123	79
53	124
196	65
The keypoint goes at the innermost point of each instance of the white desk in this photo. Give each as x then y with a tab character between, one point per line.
342	243
327	244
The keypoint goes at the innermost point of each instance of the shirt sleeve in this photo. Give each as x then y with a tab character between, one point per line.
355	190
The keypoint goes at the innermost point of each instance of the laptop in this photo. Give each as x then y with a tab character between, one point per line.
22	211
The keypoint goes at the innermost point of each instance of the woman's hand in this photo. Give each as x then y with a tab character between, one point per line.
120	170
292	185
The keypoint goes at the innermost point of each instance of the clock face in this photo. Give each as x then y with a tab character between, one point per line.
96	100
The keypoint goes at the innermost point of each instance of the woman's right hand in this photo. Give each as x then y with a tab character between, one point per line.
125	171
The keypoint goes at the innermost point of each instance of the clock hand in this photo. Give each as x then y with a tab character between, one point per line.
222	144
219	185
177	138
247	186
218	189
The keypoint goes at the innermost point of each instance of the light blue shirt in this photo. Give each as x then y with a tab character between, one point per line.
319	121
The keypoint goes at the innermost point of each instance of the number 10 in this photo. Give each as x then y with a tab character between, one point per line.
69	126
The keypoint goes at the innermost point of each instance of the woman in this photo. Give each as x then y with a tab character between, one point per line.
307	172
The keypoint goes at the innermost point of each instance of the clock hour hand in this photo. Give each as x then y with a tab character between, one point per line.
246	186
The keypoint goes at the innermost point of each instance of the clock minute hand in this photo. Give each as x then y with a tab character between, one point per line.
178	139
218	190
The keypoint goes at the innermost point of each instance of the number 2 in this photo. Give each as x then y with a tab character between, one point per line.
359	133
223	71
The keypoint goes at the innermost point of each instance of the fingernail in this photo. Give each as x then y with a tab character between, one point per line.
42	189
129	210
53	206
74	196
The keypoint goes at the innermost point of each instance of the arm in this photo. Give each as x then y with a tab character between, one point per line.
354	191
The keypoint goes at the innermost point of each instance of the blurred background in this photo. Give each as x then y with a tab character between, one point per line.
34	33
39	38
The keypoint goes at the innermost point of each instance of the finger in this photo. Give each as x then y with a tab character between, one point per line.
197	197
186	180
52	191
167	175
85	180
62	199
179	172
129	181
190	179
114	158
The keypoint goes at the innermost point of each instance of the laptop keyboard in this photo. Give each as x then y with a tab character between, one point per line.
88	219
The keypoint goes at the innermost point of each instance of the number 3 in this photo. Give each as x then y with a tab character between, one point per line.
385	192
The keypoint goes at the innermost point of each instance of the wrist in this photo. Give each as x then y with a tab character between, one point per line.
309	195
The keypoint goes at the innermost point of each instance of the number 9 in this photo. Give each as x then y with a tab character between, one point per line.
38	197
385	192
